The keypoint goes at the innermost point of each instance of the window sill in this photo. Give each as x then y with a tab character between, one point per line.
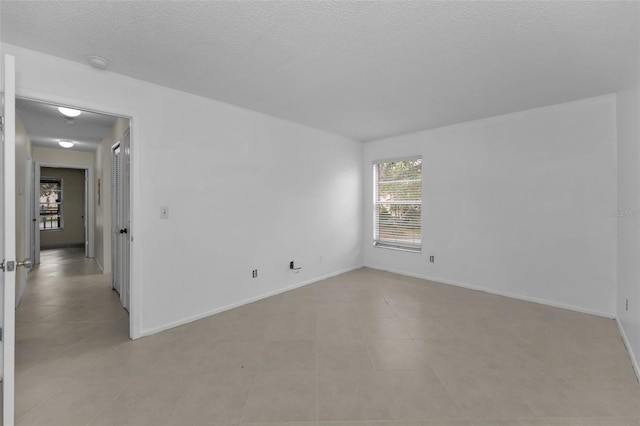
392	247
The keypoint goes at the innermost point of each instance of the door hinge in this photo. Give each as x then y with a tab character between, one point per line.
1	124
0	334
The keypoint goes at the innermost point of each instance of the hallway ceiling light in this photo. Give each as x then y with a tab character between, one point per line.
65	143
69	112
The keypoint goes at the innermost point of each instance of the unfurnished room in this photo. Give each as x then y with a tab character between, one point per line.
320	213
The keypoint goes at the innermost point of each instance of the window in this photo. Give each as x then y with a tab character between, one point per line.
398	204
50	203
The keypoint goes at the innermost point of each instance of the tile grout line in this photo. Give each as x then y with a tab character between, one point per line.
375	370
109	403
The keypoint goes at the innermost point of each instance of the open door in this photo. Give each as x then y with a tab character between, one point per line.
121	241
8	236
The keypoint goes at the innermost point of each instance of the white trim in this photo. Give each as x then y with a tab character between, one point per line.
397	159
136	273
608	315
634	360
246	301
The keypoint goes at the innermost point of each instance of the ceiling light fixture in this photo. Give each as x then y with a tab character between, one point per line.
69	112
98	62
65	143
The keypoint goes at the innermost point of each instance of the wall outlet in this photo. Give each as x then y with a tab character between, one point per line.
292	265
254	273
432	259
164	212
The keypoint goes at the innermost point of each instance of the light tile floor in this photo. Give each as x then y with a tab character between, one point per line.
363	348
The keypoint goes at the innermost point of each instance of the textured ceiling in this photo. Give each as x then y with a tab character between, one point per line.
46	126
360	69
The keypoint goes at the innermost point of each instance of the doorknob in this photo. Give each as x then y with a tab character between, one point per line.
25	263
123	231
10	265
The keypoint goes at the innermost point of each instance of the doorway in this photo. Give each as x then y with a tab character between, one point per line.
63	209
71	150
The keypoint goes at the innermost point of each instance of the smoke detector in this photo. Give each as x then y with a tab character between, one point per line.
98	62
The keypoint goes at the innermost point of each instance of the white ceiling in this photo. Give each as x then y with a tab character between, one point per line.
45	126
364	70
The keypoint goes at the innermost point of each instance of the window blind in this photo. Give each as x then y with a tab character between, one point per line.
398	204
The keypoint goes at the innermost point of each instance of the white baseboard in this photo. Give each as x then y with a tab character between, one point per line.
244	302
502	293
634	360
99	265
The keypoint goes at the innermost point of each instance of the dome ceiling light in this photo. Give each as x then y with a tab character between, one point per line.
69	112
66	143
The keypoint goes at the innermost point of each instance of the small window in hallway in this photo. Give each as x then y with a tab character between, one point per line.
51	203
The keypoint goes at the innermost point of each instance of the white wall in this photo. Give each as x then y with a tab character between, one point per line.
244	191
63	157
628	121
514	205
103	210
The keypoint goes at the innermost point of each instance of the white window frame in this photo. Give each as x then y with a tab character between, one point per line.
390	243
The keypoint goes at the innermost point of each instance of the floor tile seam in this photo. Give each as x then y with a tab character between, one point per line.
587	396
252	387
549	419
108	404
377	377
464	416
37	406
37	364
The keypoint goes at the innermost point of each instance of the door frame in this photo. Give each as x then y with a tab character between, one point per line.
135	270
89	216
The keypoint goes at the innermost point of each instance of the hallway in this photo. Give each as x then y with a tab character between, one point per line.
69	318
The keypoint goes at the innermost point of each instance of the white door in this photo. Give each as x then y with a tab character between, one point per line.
115	219
126	218
120	160
8	236
86	212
